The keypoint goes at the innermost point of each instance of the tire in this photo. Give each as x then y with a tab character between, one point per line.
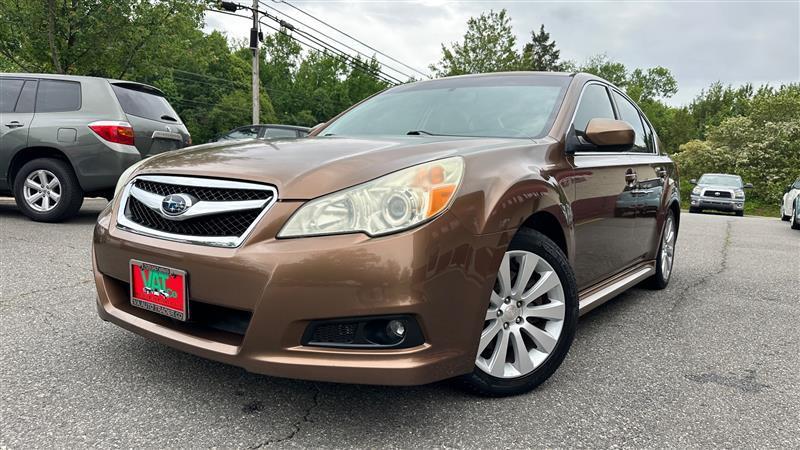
694	210
559	304
784	217
740	213
62	189
795	224
666	254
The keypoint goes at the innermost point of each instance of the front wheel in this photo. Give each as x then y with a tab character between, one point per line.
740	213
784	217
530	320
793	220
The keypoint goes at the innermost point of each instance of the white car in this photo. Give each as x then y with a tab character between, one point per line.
788	209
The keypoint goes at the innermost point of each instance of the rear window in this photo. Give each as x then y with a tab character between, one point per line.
58	96
144	104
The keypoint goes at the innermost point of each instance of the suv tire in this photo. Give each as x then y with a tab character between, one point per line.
50	178
553	260
694	210
740	213
784	217
793	219
664	262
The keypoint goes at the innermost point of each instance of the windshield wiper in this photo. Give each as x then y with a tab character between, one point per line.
166	117
420	133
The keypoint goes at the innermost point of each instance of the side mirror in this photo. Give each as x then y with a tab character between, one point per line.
693	181
748	185
610	133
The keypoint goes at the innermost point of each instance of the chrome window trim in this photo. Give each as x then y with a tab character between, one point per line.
126	224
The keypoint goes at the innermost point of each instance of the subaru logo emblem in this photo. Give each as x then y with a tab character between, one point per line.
176	204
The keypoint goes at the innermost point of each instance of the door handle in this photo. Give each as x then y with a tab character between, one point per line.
630	177
14	124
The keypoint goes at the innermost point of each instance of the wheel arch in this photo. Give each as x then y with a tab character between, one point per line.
29	154
546	223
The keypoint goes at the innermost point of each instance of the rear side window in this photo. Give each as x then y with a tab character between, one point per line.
279	133
630	114
9	93
145	104
27	98
58	96
594	104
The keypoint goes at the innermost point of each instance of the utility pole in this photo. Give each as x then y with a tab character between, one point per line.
256	58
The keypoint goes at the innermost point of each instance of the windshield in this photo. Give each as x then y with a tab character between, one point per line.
721	180
500	106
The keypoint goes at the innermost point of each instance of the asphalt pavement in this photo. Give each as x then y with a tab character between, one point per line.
711	361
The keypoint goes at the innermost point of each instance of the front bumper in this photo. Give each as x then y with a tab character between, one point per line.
717	204
438	273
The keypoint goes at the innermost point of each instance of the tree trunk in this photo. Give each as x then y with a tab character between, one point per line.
51	35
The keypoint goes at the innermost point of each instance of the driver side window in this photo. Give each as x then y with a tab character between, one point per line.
595	103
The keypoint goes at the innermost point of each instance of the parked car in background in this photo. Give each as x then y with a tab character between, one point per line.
787	202
795	217
446	228
718	192
66	137
267	131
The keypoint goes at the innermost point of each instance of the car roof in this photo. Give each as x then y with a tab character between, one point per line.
722	175
275	125
55	76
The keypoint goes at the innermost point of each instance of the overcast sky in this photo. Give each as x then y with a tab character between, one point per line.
699	41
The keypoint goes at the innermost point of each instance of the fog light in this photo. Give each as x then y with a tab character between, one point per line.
396	328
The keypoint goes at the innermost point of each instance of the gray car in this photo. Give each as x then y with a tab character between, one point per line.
719	192
65	137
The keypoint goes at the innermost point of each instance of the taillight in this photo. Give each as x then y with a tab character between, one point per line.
113	131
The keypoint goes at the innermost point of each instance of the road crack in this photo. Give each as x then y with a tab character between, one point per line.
723	266
296	426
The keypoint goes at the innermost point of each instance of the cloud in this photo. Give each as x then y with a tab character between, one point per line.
700	42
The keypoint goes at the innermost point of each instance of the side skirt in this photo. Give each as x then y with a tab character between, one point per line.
597	295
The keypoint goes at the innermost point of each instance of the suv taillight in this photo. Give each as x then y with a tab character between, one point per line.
113	131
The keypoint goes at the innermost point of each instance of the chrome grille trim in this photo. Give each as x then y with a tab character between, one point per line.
205	208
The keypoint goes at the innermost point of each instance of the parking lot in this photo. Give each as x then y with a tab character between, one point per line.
712	360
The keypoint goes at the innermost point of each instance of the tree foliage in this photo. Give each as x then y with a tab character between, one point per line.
489	45
541	54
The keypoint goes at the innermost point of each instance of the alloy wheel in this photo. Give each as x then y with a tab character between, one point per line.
668	247
524	319
42	190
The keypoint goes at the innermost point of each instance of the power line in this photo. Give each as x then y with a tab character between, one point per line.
367	57
379	75
351	37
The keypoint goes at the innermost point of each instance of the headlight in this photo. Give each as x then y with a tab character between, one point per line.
739	193
394	202
125	175
696	190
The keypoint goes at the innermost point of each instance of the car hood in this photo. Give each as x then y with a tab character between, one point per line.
302	169
717	187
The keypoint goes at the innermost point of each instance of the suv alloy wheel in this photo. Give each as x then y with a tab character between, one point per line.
47	190
530	320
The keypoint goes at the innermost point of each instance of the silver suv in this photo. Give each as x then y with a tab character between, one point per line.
65	137
718	192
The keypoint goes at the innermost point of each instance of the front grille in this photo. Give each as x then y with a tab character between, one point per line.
204	193
232	224
215	212
713	193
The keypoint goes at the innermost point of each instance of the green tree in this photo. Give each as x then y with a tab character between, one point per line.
541	54
488	46
92	37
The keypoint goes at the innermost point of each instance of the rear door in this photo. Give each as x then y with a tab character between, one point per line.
17	98
156	126
651	171
604	209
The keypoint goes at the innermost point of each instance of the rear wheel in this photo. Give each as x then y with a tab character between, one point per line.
793	220
530	320
666	253
47	190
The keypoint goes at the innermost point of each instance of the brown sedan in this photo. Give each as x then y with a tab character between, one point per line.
447	228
